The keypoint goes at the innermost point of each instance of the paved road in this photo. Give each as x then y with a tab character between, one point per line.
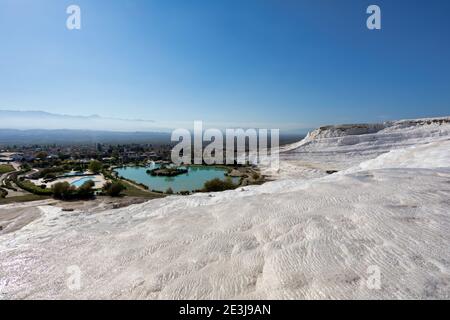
12	193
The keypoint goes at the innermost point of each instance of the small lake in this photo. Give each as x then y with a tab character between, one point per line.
193	180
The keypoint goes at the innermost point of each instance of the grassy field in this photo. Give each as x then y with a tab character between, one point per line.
25	198
31	187
133	191
5	168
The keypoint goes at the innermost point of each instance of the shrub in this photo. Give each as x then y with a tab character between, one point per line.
65	191
169	191
217	184
108	174
3	193
50	176
48	173
113	189
86	190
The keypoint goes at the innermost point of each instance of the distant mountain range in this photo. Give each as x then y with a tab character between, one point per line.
26	120
39	127
10	137
38	136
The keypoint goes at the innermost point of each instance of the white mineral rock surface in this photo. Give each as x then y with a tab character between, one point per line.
305	235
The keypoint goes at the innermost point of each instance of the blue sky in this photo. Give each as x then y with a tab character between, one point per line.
272	63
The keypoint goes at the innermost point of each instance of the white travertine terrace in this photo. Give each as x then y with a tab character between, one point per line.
305	235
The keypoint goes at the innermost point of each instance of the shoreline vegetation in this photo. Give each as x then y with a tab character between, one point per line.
248	175
30	182
167	171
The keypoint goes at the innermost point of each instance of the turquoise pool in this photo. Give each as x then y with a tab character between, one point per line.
80	182
193	180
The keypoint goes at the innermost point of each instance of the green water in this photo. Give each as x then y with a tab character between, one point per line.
193	180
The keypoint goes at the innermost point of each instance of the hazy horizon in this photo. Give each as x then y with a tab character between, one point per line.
41	120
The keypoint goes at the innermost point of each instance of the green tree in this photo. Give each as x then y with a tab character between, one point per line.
63	190
115	154
113	189
25	167
42	155
95	166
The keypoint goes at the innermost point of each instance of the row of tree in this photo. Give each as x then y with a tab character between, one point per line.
65	191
